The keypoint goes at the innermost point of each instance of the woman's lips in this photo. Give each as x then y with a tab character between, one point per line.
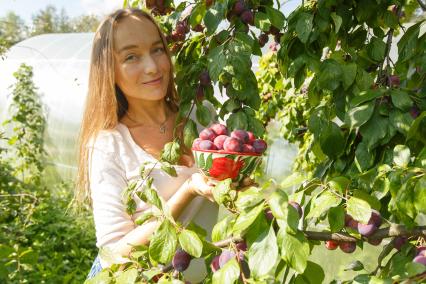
154	82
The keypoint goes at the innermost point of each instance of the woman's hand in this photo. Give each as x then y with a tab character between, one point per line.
201	185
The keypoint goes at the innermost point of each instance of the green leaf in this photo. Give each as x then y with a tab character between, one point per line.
313	274
171	152
336	218
216	62
102	277
304	26
278	203
337	21
276	17
127	277
244	220
214	16
418	128
223	228
330	75
150	196
401	156
364	157
163	243
248	198
197	14
376	49
359	209
401	99
237	120
190	133
294	250
349	74
401	121
191	243
144	217
203	115
169	169
369	198
365	96
420	195
408	42
359	115
355	266
221	190
263	254
261	21
228	274
322	203
374	130
332	141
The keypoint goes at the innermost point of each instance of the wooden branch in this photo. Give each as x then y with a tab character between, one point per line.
422	5
394	230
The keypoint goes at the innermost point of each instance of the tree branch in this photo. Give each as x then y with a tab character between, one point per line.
422	5
394	230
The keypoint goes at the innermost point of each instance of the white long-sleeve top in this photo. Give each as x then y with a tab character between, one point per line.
115	161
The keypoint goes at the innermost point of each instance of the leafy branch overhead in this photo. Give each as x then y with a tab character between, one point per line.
356	111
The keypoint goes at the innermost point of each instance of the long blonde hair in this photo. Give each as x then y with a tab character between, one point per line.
105	103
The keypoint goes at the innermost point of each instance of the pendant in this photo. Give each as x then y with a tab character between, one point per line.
162	129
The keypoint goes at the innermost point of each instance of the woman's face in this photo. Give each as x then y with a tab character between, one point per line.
142	67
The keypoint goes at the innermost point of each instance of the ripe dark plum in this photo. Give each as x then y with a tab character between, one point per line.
394	81
181	260
297	207
251	137
219	129
414	111
259	146
199	95
241	246
225	256
196	143
241	135
375	242
263	39
209	3
347	247
247	148
214	265
245	269
376	218
398	242
207	134
205	78
331	244
207	145
366	229
268	214
180	28
247	17
420	259
232	145
351	222
420	250
239	7
219	140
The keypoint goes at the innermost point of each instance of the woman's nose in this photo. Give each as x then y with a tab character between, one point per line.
149	65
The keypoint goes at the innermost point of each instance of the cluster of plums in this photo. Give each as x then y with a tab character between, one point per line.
240	141
226	255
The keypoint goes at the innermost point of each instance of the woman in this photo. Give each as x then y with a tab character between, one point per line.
129	116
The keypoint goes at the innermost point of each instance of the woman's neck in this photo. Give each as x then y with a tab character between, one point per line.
148	112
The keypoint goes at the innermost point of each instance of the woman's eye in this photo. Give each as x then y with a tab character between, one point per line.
130	57
159	50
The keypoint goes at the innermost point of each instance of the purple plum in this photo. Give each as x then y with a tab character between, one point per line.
207	145
219	140
348	247
420	259
240	135
225	256
247	148
219	129
181	260
366	229
207	134
297	207
232	145
214	265
259	146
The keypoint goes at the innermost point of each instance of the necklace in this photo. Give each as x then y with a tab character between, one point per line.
161	127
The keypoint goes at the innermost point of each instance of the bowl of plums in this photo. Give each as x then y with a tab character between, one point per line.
220	154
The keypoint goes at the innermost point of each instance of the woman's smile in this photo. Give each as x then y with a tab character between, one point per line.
154	82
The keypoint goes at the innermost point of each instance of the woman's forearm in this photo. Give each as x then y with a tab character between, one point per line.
141	234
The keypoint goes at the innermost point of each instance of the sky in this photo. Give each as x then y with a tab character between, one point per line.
26	8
